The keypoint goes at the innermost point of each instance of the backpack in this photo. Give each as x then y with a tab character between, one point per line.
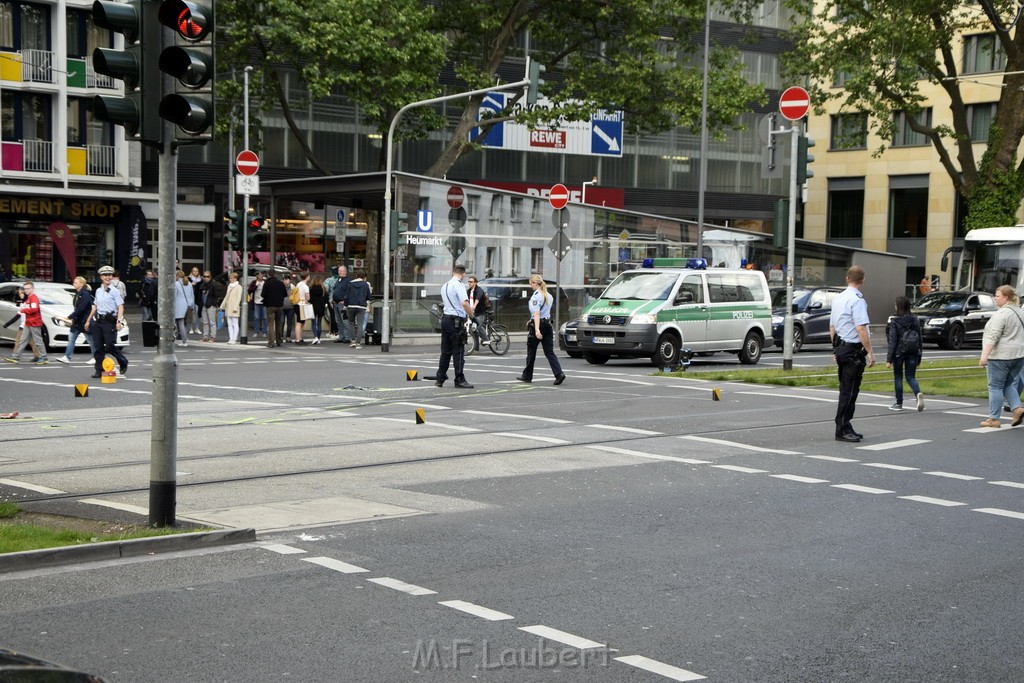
293	296
909	343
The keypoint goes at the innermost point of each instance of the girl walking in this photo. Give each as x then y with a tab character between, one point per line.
904	355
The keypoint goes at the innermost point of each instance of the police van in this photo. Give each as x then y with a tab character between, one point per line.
669	305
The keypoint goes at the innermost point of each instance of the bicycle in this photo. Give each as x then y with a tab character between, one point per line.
497	338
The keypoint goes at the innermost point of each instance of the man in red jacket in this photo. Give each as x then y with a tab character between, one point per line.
33	327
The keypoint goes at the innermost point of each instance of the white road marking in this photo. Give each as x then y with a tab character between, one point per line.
561	637
858	488
476	610
125	507
553	420
958	412
420	405
624	451
394	419
668	671
802	480
402	586
32	487
933	501
283	549
832	458
1001	513
887	466
546	439
336	565
1013	484
630	430
736	444
951	475
737	468
888	445
456	428
776	395
983	430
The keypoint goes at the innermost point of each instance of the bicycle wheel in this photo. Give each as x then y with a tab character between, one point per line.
499	340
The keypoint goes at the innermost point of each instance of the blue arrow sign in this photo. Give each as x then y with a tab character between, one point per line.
606	133
493	103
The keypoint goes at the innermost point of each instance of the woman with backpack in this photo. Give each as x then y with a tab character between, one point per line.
904	355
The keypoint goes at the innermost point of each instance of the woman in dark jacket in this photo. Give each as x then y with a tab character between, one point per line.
904	355
83	306
318	299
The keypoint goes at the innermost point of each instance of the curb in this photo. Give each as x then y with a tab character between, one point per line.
115	550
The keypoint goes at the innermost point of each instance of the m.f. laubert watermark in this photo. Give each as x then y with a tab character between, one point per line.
485	656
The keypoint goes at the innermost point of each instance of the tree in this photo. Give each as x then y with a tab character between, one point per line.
640	56
894	56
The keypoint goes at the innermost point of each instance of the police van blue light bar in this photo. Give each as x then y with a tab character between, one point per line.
691	263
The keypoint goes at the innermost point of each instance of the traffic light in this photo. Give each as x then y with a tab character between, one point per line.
399	224
256	235
780	231
137	111
190	61
535	70
803	159
235	226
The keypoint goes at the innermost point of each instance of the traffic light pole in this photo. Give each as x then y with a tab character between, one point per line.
794	197
244	322
385	335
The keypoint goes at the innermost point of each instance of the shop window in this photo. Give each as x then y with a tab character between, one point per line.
905	136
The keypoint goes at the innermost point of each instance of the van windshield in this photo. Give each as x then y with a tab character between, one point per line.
641	286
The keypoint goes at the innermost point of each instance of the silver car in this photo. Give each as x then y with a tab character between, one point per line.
56	301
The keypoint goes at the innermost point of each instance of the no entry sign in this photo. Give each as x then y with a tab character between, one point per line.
247	162
455	196
794	103
559	196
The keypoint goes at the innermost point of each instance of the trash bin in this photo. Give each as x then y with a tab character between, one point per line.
375	324
150	333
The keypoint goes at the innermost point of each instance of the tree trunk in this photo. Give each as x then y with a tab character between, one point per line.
286	111
458	144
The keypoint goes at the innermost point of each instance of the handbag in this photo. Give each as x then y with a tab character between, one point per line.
221	320
190	316
306	311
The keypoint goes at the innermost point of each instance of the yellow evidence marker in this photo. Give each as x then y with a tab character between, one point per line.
421	416
81	391
412	375
716	394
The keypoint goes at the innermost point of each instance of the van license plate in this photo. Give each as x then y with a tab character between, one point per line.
604	340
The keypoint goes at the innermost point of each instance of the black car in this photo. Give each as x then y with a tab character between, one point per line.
18	666
812	308
510	298
950	319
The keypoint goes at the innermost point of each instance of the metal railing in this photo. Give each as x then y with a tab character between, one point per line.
100	159
95	80
37	66
38	155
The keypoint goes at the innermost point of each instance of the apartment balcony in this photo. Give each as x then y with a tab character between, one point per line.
33	156
27	66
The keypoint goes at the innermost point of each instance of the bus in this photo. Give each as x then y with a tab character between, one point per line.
990	257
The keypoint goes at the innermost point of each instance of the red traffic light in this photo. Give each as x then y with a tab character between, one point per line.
256	222
192	21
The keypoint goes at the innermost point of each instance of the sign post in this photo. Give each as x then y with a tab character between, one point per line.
559	245
794	105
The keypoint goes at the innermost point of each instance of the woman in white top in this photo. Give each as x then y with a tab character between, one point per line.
1002	355
232	307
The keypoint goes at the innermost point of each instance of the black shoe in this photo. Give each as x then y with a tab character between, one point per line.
849	438
439	384
124	371
524	380
97	375
559	379
856	434
279	344
463	385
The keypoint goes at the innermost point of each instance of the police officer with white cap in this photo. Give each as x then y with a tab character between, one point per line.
107	316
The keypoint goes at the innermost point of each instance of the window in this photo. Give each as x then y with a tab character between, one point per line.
7	25
472	205
26	116
693	285
982	54
516	209
849	131
761	67
84	36
839	78
846	208
734	287
537	261
905	136
979	120
908	206
960	211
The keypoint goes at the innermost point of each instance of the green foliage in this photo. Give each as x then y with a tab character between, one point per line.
18	537
994	203
8	509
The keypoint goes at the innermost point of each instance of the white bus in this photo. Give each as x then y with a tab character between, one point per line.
990	257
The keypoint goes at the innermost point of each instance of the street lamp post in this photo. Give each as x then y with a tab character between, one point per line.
703	183
592	181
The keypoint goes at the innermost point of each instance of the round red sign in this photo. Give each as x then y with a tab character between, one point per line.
455	196
559	196
794	103
247	162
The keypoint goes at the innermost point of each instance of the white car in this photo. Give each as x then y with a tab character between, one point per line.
56	301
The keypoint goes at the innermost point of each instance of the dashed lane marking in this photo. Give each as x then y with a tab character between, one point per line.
282	549
628	430
1012	484
652	456
654	666
775	395
952	475
832	458
932	501
859	488
737	468
984	430
561	637
1001	513
32	487
796	477
420	405
888	445
336	565
553	420
531	437
476	610
736	444
402	586
888	466
114	505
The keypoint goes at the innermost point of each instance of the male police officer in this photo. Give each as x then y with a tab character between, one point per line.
107	316
851	348
456	310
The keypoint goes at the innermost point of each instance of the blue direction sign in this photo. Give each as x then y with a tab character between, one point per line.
424	221
493	103
606	133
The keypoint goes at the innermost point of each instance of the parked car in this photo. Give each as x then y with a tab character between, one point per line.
510	300
812	308
951	319
567	339
55	302
18	666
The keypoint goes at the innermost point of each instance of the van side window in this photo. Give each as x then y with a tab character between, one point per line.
692	284
734	288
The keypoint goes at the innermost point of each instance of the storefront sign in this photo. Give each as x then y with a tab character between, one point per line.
46	207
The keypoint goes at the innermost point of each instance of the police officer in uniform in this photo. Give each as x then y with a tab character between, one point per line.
107	318
456	310
851	348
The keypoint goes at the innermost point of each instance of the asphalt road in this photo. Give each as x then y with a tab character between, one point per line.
620	527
